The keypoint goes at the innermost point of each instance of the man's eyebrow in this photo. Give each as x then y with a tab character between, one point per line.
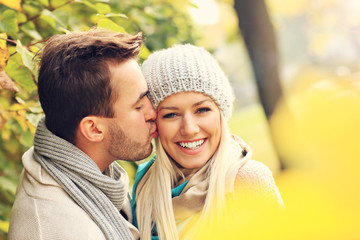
141	96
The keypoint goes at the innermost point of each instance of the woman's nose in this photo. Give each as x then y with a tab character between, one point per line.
189	125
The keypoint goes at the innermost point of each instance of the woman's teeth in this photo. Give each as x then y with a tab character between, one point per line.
191	145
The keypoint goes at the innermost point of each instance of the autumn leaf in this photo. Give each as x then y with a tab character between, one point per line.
14	4
2	121
4	52
7	83
4	56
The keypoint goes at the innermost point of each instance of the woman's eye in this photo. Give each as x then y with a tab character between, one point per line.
203	110
169	115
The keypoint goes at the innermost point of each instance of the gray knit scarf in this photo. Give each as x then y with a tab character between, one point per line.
99	195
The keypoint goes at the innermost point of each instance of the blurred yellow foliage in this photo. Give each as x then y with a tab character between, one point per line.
14	4
321	192
288	8
297	7
319	43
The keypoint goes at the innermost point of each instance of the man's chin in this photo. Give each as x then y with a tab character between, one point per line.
145	154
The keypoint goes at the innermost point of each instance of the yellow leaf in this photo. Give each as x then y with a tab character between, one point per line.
4	56
110	25
16	107
22	121
3	36
14	4
2	121
5	134
4	52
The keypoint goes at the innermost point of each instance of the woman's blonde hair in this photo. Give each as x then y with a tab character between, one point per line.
154	201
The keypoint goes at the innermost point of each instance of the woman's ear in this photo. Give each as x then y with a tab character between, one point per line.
92	128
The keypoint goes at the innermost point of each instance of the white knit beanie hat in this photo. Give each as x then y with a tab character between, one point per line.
187	68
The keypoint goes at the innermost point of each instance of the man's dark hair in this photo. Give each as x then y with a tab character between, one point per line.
74	76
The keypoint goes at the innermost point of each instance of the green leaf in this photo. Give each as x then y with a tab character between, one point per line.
27	56
29	29
115	15
8	21
144	52
108	24
102	8
19	73
21	18
7	184
34	118
35	107
44	3
51	18
87	3
31	9
57	3
26	139
51	21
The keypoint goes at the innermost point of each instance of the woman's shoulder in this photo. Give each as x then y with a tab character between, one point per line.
254	174
249	169
256	178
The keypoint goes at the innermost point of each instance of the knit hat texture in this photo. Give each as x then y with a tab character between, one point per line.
187	68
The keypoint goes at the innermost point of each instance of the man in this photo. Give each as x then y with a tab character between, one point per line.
96	110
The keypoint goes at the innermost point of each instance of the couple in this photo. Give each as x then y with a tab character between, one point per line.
99	107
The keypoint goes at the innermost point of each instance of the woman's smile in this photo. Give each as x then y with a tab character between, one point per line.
191	144
193	147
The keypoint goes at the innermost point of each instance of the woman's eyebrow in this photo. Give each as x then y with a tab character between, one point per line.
176	108
168	108
201	102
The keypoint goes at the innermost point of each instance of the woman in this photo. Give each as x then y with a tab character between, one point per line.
198	163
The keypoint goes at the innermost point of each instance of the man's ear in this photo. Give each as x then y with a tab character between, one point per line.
92	128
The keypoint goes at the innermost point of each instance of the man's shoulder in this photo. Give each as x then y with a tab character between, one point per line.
45	215
36	183
43	210
44	220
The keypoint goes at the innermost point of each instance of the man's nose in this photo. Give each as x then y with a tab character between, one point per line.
150	114
189	125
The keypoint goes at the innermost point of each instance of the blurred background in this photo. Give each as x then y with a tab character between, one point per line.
295	69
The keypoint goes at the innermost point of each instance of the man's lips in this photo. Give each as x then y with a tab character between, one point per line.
154	132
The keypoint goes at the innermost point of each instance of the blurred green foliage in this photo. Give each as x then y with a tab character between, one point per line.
24	27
